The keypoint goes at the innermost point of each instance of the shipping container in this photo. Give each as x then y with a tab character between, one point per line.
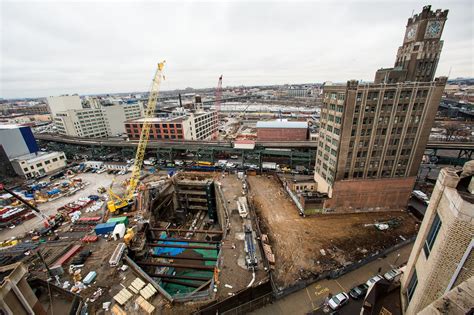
118	220
105	228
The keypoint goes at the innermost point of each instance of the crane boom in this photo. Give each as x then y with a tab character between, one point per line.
218	107
116	203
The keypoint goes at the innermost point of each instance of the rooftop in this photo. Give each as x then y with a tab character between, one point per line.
38	156
157	119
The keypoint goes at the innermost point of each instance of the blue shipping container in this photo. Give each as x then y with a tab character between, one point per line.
104	228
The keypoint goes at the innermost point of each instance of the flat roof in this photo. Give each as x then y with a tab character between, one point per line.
157	119
33	157
10	126
283	124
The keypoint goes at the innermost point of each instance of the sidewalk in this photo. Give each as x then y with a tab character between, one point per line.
311	297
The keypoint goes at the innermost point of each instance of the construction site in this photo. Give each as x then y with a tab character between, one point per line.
175	241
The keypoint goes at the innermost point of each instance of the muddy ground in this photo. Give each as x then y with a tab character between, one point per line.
297	242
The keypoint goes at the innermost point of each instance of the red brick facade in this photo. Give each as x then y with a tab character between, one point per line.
282	134
370	195
158	131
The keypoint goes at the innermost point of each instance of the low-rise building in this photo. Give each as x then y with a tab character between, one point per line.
282	130
38	164
442	257
187	126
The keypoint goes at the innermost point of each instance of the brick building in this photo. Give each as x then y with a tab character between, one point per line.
372	136
282	130
189	126
442	257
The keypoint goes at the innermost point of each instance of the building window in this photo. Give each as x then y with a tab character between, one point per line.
430	239
47	162
412	286
55	159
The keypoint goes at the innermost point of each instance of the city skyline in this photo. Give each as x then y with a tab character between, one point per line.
72	49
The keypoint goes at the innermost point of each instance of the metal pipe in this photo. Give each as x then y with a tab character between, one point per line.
156	264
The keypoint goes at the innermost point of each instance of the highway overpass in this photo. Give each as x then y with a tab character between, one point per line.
110	142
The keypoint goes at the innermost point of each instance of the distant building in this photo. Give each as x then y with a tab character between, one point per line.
189	126
373	136
87	123
442	257
63	103
38	164
299	92
17	140
95	122
282	130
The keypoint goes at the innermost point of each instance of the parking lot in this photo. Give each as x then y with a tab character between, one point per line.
94	181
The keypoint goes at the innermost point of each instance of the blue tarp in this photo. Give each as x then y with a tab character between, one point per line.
54	191
169	250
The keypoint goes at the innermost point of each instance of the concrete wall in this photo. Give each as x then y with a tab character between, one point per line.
282	134
370	195
114	118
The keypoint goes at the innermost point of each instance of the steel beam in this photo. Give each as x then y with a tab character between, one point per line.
184	257
183	240
158	275
181	246
184	230
187	284
186	266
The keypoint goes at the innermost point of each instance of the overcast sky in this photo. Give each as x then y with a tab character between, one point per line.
87	47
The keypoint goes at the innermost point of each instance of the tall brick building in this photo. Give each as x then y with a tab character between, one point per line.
442	257
373	136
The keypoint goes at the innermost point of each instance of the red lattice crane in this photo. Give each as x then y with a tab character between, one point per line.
218	98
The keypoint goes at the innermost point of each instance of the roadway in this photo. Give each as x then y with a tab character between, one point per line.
110	142
311	299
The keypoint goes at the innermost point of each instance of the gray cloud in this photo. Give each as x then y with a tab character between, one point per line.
54	47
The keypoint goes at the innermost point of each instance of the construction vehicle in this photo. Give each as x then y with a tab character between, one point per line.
116	203
47	221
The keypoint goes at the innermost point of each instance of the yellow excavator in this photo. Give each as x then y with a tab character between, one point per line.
116	203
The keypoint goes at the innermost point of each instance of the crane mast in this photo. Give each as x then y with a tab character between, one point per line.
116	203
218	98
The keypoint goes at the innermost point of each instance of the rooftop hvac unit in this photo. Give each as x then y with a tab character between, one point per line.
117	255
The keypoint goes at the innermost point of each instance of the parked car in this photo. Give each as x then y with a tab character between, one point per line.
391	275
338	300
373	280
359	291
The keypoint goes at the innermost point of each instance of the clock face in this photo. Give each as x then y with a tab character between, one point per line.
411	32
433	29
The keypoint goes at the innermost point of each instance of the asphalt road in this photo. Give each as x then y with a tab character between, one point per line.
310	300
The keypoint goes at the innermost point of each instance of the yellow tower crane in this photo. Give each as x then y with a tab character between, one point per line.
117	203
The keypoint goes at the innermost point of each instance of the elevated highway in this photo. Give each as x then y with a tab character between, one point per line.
111	142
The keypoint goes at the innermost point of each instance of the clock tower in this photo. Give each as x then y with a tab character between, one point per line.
422	44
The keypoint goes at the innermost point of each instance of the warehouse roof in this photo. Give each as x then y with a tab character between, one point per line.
283	123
